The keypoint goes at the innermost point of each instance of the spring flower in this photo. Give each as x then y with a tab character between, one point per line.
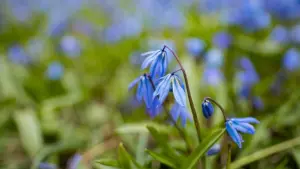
45	165
236	125
170	82
222	40
257	103
215	149
212	76
144	89
214	58
158	62
194	46
279	34
207	109
70	46
55	70
291	60
74	161
180	111
18	55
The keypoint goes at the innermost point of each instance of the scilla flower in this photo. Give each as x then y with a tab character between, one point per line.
207	109
158	62
144	89
180	111
236	125
215	149
170	82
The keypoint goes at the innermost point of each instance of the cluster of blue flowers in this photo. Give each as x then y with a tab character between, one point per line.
154	87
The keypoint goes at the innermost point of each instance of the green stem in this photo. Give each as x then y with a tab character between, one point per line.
195	117
228	156
266	152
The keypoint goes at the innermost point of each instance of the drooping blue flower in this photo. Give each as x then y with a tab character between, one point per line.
70	46
158	62
215	149
170	82
180	111
55	70
236	125
144	89
207	109
279	34
194	46
222	40
257	103
291	60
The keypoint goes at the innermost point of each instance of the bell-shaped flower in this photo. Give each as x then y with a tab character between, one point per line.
144	89
180	111
170	82
236	125
207	109
158	62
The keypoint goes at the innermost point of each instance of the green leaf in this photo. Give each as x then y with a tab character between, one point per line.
162	158
108	162
265	152
202	148
29	130
125	159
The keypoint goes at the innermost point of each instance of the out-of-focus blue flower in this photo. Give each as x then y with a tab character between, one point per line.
283	9
291	60
180	111
214	58
295	34
236	125
257	103
215	149
207	109
74	161
222	40
144	89
18	55
35	47
158	62
194	46
55	70
279	34
212	76
20	10
248	76
70	46
170	82
47	166
245	91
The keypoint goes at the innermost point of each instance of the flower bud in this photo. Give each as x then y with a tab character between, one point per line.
207	109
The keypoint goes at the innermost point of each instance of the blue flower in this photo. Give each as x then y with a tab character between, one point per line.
236	125
158	62
194	46
291	60
214	58
180	111
18	55
215	149
55	70
212	76
207	109
70	46
46	166
257	103
170	82
222	40
144	89
74	161
279	34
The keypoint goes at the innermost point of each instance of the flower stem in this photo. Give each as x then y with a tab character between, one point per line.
228	156
195	117
216	103
180	131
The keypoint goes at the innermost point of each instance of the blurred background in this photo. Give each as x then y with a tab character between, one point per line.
65	67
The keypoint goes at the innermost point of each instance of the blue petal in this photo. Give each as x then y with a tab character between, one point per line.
154	64
175	111
164	64
244	127
147	92
152	56
233	134
150	53
215	149
178	92
184	115
162	89
133	83
246	120
139	92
